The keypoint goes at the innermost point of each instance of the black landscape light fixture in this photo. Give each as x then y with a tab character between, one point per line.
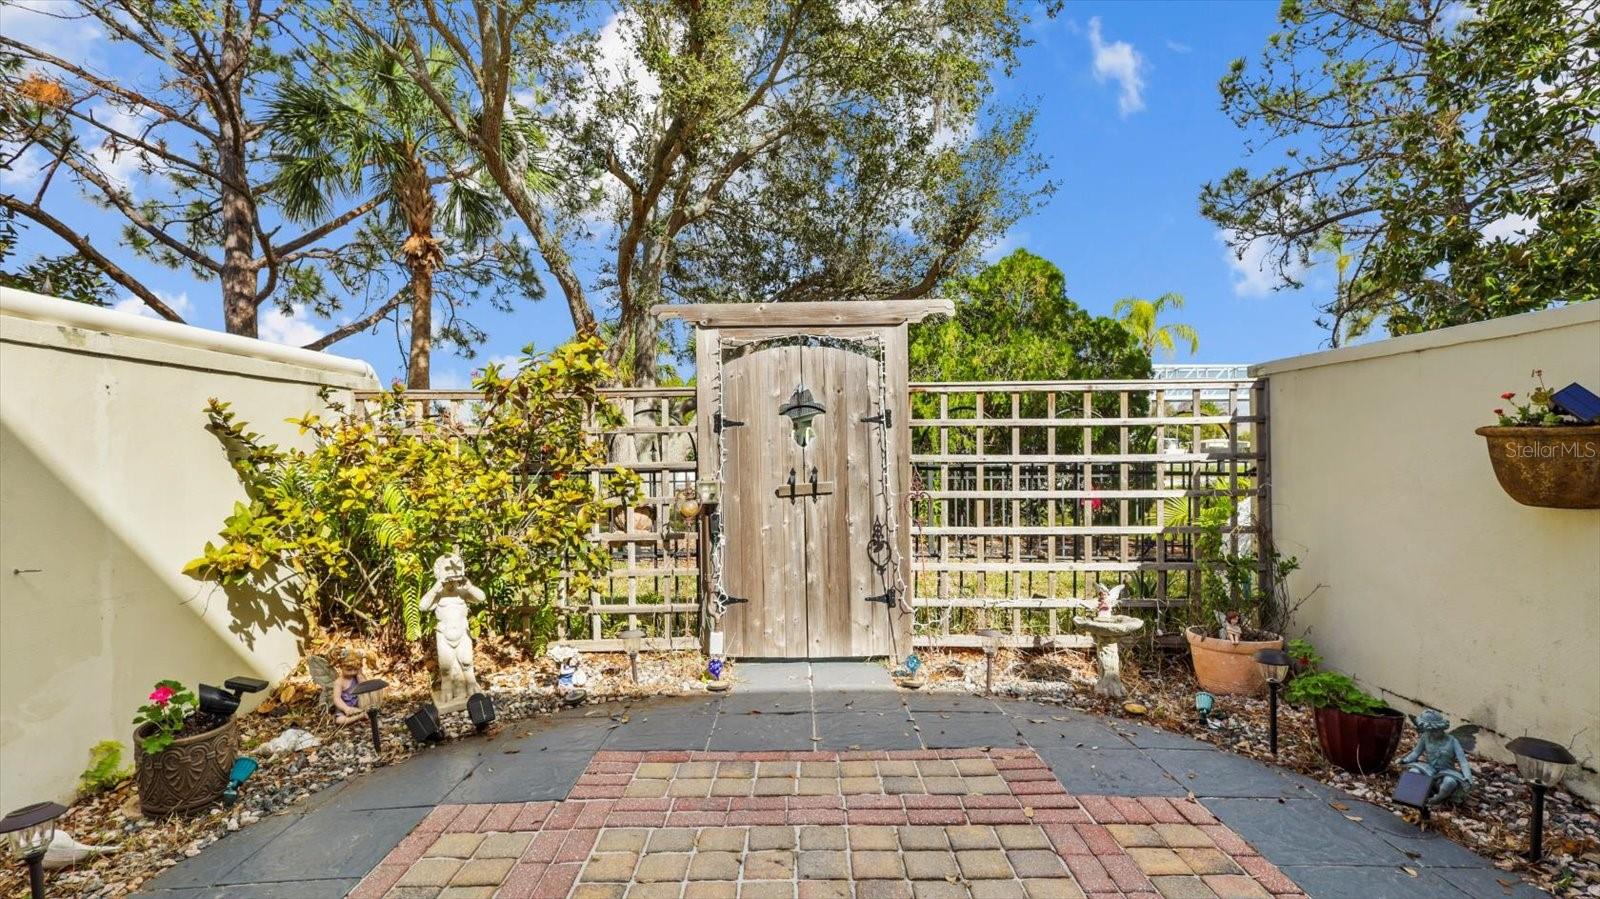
223	701
632	641
28	832
991	645
369	696
480	708
1274	665
1542	764
425	726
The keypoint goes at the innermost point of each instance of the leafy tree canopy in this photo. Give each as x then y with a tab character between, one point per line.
1015	322
1442	152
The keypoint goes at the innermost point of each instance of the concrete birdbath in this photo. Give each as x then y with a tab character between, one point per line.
1107	628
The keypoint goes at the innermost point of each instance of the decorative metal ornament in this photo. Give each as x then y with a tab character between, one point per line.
801	409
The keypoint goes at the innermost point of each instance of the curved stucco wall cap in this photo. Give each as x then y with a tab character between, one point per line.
37	307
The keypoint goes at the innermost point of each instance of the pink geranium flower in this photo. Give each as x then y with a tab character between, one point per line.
161	695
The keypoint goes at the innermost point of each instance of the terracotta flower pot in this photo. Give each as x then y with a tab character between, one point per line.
1360	744
1223	666
189	774
1556	468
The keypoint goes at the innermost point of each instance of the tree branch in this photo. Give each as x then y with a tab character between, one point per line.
360	324
81	244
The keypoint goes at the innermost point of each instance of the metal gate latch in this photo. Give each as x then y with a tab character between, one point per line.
887	597
885	418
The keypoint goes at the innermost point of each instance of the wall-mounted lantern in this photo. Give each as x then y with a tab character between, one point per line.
801	409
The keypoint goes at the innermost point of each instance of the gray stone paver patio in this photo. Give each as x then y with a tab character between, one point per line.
325	847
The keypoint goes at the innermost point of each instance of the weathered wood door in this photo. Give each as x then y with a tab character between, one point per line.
807	510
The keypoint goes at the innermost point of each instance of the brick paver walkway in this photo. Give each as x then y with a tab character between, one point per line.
926	824
702	796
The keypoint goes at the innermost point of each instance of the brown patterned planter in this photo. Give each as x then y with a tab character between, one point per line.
1554	468
1360	744
1223	666
189	774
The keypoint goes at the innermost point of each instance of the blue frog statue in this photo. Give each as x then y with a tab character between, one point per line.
1441	755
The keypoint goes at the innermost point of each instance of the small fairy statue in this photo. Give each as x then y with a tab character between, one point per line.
1441	754
571	679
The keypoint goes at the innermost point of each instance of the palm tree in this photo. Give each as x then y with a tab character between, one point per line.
1141	317
361	122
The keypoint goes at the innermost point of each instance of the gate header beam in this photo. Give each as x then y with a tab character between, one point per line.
843	313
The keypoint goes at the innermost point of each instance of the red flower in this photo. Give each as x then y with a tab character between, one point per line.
1093	504
161	695
1507	395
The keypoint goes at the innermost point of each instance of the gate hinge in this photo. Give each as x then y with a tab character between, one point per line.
887	598
885	418
719	422
727	600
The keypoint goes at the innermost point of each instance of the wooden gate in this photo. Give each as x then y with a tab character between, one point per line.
805	435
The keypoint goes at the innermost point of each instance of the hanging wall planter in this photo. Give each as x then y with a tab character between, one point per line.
1551	467
1546	452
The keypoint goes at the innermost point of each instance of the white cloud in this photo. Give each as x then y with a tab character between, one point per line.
26	171
1254	275
116	159
1513	228
618	63
292	328
509	364
1012	240
52	26
1179	46
1118	61
449	379
135	306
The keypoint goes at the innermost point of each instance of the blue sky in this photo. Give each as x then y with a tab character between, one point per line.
1129	121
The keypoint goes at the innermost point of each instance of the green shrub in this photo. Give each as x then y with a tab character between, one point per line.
1330	689
1304	653
358	520
105	768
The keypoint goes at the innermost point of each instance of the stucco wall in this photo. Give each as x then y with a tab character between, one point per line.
108	485
1437	588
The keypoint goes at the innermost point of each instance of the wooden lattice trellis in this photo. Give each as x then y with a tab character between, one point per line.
654	582
1025	494
1029	492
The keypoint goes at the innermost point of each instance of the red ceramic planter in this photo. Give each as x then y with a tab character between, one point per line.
1360	744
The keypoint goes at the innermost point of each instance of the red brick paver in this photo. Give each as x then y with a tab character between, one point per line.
753	824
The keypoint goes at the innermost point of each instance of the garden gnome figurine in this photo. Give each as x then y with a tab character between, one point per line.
1441	754
450	598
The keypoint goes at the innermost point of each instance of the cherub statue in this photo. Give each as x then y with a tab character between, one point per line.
1445	753
450	598
1108	599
